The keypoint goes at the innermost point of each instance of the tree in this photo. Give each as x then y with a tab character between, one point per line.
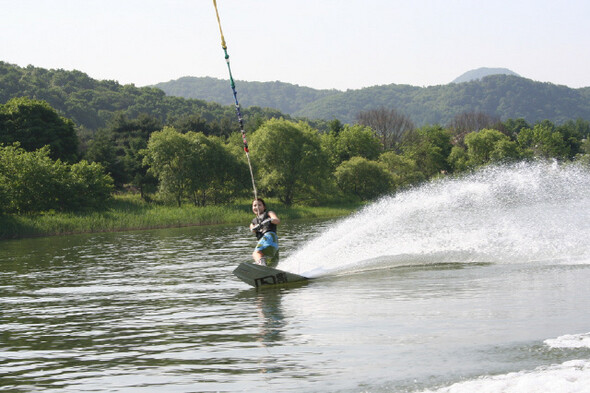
89	186
103	150
573	134
584	155
289	160
33	179
216	174
170	157
488	146
34	124
117	147
363	178
32	182
467	122
194	166
514	126
389	124
335	126
351	141
544	141
429	147
230	175
403	170
458	159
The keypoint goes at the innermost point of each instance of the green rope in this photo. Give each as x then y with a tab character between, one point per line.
238	111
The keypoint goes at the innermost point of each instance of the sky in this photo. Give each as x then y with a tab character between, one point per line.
323	44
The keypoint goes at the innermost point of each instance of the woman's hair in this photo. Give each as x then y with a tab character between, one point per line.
261	201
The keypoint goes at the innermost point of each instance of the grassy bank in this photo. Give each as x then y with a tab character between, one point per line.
129	212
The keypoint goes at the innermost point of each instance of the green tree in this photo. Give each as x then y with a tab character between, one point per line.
170	157
403	170
514	126
222	175
33	182
429	147
335	126
584	155
543	141
89	187
458	159
117	147
289	160
363	178
351	141
34	124
33	179
102	149
573	134
488	146
4	198
192	165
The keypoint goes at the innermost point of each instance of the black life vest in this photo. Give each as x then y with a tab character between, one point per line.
268	227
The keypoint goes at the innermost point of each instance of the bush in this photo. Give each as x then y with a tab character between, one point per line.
31	182
89	186
363	178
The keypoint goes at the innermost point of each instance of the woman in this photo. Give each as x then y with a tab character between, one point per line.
264	225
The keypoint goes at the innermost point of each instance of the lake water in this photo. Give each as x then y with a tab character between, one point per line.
479	284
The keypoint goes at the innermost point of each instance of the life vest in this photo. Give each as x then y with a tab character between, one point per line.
268	227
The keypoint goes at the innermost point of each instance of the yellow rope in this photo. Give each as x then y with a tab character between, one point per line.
239	113
219	23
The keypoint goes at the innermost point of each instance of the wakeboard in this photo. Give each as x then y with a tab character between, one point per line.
261	276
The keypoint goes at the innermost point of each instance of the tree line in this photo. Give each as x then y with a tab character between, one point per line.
45	166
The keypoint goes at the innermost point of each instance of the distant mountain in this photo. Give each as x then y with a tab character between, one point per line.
285	97
502	95
480	73
92	103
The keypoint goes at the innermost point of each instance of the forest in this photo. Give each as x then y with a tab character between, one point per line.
68	142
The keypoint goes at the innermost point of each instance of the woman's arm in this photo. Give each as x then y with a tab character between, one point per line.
274	218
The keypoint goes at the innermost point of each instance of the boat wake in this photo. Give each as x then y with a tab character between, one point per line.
568	377
522	213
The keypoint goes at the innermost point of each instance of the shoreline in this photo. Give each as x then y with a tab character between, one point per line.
130	213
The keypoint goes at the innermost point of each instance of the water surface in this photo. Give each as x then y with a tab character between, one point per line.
465	285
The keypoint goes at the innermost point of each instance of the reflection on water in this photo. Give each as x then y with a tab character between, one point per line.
268	305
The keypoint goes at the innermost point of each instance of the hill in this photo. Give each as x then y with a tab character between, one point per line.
92	103
481	73
502	95
286	97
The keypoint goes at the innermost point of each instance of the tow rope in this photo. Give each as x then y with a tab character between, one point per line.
239	113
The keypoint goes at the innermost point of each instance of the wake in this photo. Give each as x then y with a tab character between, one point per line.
523	213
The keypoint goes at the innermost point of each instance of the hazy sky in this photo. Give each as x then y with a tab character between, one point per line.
341	44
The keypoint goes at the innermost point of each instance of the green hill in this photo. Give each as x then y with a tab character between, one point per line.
502	95
92	103
505	96
286	97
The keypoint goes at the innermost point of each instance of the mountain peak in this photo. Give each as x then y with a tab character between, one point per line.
482	72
